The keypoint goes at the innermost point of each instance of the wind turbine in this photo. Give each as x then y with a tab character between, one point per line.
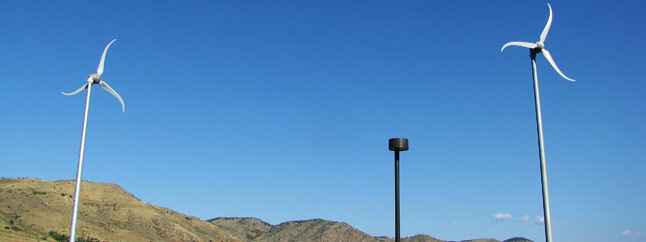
93	78
535	48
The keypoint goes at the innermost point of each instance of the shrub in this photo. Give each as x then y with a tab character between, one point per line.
58	237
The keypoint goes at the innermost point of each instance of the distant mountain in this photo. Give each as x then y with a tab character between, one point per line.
481	240
252	229
315	230
32	210
421	238
247	229
518	239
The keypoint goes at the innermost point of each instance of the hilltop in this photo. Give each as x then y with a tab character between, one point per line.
253	229
35	210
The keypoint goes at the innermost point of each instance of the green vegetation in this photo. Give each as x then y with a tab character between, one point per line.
63	237
13	227
38	193
58	237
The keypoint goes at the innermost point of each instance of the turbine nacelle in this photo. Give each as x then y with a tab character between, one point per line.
539	47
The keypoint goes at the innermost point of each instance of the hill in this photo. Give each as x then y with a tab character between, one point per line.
246	229
315	230
33	209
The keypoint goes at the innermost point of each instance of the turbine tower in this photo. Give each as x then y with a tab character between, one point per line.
535	48
93	78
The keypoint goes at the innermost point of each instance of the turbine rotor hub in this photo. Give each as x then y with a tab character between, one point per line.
538	49
540	45
96	79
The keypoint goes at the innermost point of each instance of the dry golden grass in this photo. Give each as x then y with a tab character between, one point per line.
30	208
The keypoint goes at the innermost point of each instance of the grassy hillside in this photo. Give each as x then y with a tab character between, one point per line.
31	208
247	229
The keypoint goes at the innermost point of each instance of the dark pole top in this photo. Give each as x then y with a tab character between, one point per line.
398	144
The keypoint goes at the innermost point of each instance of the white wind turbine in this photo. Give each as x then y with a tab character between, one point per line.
535	48
93	78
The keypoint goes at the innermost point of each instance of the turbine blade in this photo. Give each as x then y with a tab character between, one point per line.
548	56
521	44
547	26
99	70
107	87
77	90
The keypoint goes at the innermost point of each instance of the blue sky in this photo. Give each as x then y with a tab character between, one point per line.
282	110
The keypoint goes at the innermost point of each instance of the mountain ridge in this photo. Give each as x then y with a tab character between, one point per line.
34	209
312	230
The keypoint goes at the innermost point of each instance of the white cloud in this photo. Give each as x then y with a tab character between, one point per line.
524	218
540	220
501	216
631	233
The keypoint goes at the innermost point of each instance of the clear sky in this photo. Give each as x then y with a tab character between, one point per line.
282	110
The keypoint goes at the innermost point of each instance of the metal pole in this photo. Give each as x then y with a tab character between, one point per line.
541	151
397	235
77	191
397	144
